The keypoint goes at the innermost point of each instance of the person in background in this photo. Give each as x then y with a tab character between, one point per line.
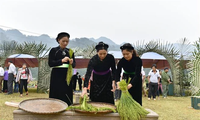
1	77
160	91
5	82
154	79
24	76
74	80
165	82
80	82
16	84
11	76
143	81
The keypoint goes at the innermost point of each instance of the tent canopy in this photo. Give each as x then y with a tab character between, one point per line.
19	59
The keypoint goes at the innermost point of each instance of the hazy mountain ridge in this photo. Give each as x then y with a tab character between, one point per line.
16	35
84	42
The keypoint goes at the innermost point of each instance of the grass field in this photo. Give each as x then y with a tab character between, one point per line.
173	108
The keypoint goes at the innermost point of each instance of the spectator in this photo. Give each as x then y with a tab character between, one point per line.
74	80
5	83
165	82
143	81
17	84
1	77
160	85
23	77
11	75
154	79
80	82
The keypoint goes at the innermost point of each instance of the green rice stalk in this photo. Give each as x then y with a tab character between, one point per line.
69	71
128	108
84	106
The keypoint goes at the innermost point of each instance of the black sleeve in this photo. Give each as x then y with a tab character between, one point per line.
74	61
113	67
118	71
52	61
137	71
88	73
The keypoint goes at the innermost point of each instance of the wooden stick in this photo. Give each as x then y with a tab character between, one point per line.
12	104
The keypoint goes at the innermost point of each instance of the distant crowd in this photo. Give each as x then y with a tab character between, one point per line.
10	75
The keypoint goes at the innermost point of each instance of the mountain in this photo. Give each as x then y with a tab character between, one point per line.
16	35
104	39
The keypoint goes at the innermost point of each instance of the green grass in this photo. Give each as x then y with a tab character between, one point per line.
173	108
6	111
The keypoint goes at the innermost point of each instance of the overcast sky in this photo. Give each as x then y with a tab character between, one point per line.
119	20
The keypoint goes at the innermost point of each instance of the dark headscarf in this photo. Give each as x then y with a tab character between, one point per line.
127	46
61	35
101	46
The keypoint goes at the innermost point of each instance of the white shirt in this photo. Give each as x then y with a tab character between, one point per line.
143	73
154	76
12	69
1	71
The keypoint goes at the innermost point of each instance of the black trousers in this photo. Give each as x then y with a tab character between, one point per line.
5	85
153	87
74	84
10	83
80	84
23	83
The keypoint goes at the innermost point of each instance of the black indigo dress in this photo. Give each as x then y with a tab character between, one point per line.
132	70
103	75
58	84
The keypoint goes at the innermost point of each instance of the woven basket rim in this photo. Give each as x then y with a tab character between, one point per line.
53	99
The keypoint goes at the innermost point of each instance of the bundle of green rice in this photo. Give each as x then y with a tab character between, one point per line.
69	71
84	106
128	108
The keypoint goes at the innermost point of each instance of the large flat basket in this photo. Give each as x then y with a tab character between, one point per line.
43	105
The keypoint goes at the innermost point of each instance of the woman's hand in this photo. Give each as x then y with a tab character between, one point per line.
70	61
118	86
84	92
28	81
129	86
113	86
65	59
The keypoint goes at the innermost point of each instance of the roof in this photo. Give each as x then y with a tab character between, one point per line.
19	59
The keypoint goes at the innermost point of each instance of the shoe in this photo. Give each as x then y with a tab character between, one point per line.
164	97
154	99
8	93
149	98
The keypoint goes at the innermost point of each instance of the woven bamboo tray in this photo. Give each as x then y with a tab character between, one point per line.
43	105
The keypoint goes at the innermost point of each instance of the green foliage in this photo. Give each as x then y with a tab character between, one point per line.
43	76
84	106
128	108
70	69
195	68
7	48
87	52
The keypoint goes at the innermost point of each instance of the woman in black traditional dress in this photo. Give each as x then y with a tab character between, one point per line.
101	72
59	59
131	64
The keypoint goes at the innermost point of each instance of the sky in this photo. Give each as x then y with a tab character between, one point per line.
119	20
